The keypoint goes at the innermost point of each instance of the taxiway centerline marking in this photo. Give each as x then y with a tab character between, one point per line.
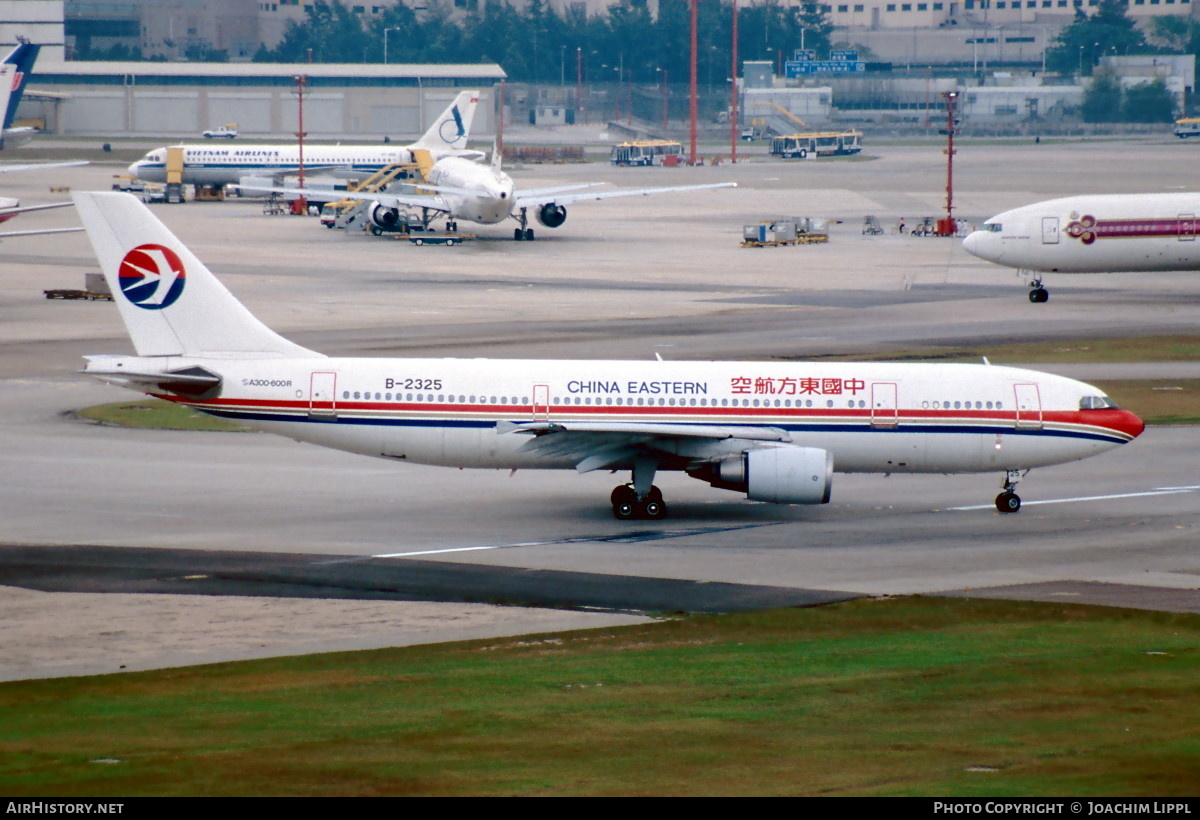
1163	491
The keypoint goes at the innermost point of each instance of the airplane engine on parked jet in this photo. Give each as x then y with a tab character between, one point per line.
551	215
781	475
388	219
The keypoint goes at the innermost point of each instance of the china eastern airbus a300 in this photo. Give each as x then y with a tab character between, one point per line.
1110	233
465	189
776	431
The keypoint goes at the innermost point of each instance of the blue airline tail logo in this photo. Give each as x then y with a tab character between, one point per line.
452	129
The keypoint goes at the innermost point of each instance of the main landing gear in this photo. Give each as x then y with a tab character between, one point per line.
627	506
1008	501
523	233
640	498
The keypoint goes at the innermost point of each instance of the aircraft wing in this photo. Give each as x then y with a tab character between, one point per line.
39	233
24	209
41	166
603	445
541	192
326	195
532	199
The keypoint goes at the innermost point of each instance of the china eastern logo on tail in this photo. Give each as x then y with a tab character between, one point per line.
151	276
452	129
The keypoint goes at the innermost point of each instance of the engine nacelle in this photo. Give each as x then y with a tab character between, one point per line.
551	215
383	217
781	475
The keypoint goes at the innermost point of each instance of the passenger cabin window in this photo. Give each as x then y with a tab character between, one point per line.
1097	403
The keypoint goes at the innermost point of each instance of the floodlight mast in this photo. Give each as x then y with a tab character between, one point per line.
947	226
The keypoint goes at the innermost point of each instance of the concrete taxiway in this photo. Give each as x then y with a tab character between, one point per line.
621	279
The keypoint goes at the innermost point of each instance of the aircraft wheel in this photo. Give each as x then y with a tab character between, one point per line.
518	234
625	511
1008	502
1039	295
655	510
529	235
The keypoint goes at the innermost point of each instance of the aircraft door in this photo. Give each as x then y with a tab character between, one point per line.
322	395
1029	407
1187	227
884	409
541	402
1049	230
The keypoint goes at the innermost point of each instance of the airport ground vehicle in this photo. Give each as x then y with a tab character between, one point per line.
646	152
226	131
1187	127
816	144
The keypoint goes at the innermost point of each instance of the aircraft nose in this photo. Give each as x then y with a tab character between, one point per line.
1119	421
134	168
1129	423
971	243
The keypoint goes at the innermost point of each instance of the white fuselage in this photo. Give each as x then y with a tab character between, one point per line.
491	200
227	164
1094	234
879	417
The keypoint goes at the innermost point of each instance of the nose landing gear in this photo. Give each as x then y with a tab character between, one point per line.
1008	501
1038	292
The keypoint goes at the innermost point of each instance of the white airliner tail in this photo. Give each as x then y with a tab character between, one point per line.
171	304
452	128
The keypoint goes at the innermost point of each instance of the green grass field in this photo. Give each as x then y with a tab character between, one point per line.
904	696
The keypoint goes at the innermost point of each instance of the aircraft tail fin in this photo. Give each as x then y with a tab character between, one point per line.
23	57
497	156
171	304
452	128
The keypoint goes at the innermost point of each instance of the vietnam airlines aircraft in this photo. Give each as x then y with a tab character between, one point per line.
209	164
773	430
465	189
1110	233
19	65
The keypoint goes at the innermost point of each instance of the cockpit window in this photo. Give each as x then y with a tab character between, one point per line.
992	227
1097	403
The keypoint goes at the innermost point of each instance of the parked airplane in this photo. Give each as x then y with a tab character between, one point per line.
11	206
210	164
20	60
465	189
774	430
1092	234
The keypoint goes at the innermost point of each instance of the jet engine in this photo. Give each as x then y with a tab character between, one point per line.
551	215
388	219
781	475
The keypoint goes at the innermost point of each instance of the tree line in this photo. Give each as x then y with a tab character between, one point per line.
538	45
